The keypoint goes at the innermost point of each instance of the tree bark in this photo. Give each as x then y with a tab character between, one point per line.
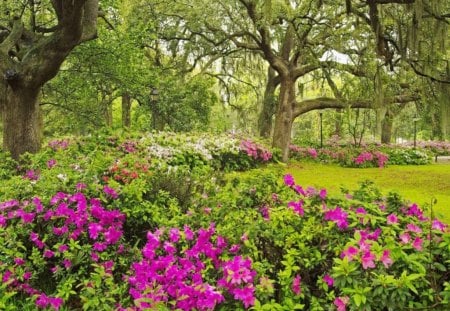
21	121
386	127
284	117
269	106
37	63
126	110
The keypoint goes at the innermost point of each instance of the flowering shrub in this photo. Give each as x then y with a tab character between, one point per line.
136	234
369	156
49	252
176	270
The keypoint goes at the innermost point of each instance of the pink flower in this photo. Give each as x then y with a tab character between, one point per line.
392	219
234	248
188	234
297	207
339	216
56	302
437	225
19	261
63	248
350	253
328	279
323	194
413	228
417	244
289	180
174	235
386	259
67	263
42	301
110	192
48	253
367	260
27	275
94	229
405	238
296	285
51	163
341	302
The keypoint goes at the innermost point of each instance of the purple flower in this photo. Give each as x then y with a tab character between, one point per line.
51	163
323	194
350	253
386	259
48	253
338	216
341	303
413	228
417	243
405	238
110	192
392	219
367	260
94	229
437	225
297	207
56	302
289	180
19	261
328	279
31	175
296	285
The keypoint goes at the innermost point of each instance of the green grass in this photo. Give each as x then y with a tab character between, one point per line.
418	184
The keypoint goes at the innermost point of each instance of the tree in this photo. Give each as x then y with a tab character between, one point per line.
30	55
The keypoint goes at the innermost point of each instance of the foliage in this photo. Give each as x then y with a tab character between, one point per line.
365	156
138	222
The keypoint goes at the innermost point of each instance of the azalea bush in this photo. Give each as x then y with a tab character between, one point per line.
366	156
312	251
109	223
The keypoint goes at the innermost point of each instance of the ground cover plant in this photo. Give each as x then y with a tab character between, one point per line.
114	222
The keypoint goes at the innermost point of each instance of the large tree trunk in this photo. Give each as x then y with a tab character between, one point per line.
284	118
27	62
269	106
21	121
386	128
126	110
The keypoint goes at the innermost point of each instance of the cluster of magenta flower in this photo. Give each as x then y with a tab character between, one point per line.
340	155
367	156
175	267
366	248
71	217
255	150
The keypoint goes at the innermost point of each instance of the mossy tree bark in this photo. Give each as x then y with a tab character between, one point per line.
29	59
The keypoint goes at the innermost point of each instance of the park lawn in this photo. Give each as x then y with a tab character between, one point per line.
418	184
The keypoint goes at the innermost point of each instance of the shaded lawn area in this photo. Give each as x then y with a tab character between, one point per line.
418	184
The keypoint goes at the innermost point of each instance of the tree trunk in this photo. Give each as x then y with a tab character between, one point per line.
386	128
21	121
108	114
126	110
284	118
269	106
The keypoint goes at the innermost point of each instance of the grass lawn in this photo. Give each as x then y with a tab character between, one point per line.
419	184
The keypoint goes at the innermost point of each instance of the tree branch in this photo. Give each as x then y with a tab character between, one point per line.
326	102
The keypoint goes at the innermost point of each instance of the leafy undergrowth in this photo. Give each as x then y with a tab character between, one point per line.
138	223
420	184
